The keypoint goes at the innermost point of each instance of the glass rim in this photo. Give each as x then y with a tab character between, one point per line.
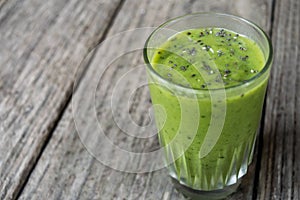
266	67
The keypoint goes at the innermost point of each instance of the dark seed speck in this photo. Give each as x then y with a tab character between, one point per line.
192	51
227	71
183	68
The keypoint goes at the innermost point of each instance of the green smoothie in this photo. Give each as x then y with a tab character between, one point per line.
205	61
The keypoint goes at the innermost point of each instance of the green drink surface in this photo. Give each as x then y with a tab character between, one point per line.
208	58
204	59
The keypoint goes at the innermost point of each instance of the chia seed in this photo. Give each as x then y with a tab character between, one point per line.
183	68
192	51
220	53
227	71
236	36
206	47
244	58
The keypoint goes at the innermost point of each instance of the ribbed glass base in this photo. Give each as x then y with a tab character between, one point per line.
205	194
214	172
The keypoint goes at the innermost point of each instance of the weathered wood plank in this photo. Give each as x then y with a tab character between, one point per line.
67	170
280	173
42	44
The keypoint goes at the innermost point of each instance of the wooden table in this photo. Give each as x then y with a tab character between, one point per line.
46	62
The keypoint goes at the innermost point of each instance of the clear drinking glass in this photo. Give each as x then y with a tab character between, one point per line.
208	135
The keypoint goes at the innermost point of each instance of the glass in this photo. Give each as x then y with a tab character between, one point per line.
208	135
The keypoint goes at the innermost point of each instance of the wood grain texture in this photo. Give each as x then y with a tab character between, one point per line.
280	173
42	44
67	171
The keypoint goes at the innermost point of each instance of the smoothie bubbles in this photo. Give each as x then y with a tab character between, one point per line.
207	76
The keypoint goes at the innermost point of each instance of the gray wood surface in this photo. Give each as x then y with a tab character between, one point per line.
43	153
66	170
42	44
280	163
